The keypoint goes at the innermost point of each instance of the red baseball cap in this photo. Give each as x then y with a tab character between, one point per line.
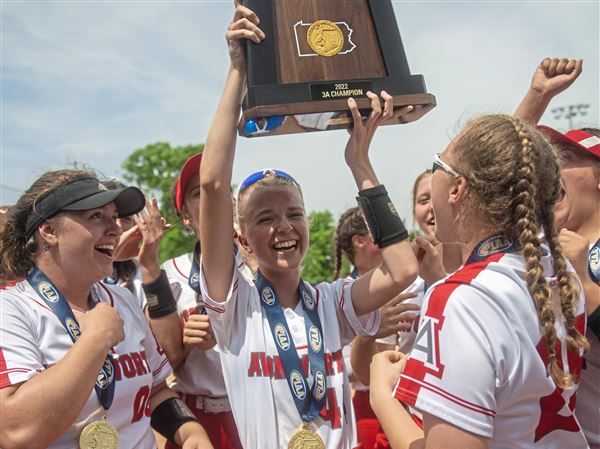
189	169
577	138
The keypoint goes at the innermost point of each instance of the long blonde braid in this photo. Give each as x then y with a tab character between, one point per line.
513	179
525	212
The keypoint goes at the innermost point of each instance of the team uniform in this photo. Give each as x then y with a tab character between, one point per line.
369	431
479	359
138	290
264	410
404	340
367	424
32	339
199	379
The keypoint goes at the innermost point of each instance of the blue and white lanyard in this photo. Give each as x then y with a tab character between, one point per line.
54	299
594	262
194	278
308	405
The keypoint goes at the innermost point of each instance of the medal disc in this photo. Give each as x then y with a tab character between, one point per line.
99	435
306	439
325	38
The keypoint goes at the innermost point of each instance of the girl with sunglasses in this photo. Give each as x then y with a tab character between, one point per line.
439	262
514	307
281	338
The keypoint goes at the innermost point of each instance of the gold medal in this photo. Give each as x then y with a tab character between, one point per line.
325	38
306	439
99	435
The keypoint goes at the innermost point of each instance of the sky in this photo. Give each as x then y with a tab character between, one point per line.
89	82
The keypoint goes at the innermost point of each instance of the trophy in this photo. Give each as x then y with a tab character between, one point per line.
316	55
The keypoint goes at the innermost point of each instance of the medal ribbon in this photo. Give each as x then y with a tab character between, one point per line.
54	299
194	278
308	405
594	262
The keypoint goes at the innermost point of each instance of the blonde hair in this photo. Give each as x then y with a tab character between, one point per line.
270	181
17	252
513	182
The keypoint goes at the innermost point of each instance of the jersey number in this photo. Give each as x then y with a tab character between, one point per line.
331	411
141	404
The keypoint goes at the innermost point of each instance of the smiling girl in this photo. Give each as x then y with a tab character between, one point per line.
79	366
281	337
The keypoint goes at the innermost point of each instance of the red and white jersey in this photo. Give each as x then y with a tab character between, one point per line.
588	399
200	373
138	290
405	339
478	361
32	339
263	408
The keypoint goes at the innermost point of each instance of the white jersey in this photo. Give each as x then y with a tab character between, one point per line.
588	399
263	408
477	361
200	373
32	339
405	339
138	290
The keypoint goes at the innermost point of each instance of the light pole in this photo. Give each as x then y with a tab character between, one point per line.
570	111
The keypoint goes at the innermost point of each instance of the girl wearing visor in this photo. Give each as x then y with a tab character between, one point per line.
281	338
79	366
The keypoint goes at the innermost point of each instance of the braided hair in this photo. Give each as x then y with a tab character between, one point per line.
350	223
513	178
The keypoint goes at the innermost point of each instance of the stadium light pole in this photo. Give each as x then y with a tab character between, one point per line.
571	111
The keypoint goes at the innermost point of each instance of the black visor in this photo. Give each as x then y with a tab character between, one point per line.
84	194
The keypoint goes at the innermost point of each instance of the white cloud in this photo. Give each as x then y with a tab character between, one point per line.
92	81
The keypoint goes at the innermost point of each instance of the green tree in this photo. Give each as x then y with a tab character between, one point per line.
154	169
319	263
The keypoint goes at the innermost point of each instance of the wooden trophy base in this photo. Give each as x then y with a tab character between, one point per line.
303	112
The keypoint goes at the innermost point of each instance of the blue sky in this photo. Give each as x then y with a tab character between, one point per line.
91	81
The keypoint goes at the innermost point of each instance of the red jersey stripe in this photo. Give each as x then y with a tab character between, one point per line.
110	296
178	270
4	380
415	370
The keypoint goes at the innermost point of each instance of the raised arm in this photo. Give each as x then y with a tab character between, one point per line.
216	211
161	306
551	77
399	266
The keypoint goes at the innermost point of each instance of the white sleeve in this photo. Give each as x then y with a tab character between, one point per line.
227	318
20	357
351	325
451	372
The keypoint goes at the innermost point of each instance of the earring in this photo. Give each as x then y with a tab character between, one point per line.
45	247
